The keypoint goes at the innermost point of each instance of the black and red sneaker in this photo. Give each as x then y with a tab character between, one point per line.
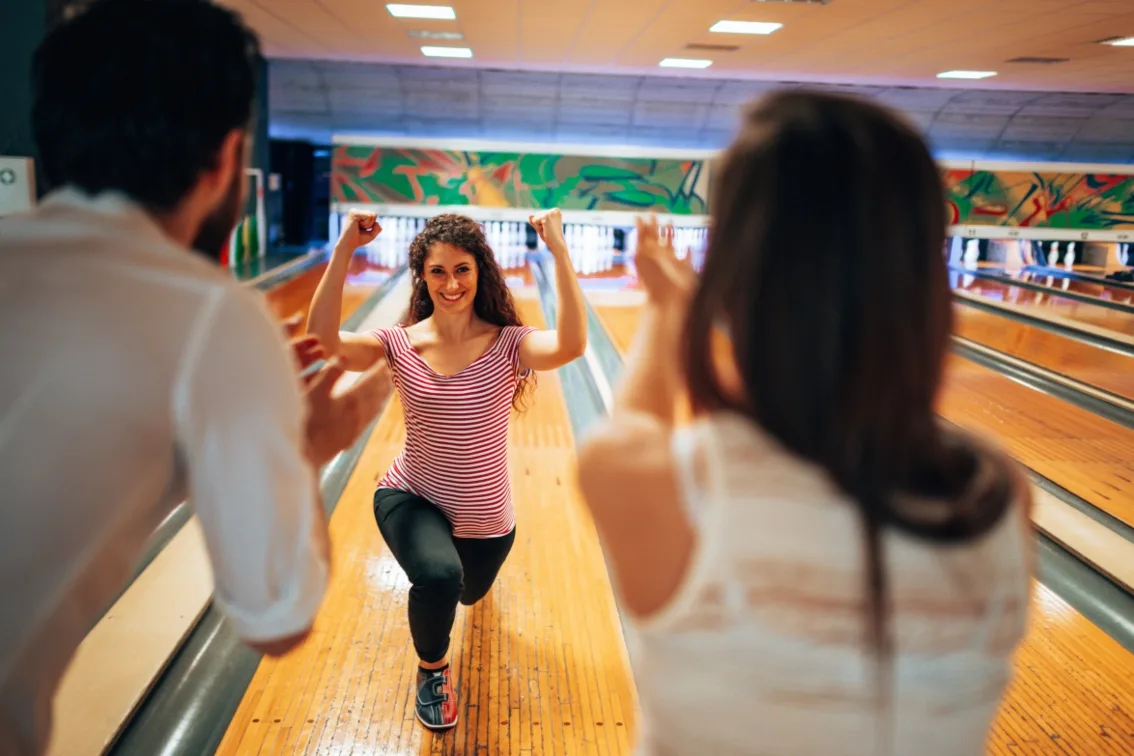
436	699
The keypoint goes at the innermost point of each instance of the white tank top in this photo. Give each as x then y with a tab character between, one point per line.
764	650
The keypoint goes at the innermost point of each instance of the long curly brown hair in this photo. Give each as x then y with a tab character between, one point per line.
493	302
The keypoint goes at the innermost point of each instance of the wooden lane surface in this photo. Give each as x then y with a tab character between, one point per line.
1105	369
294	296
1040	302
1078	450
1071	694
1098	289
540	664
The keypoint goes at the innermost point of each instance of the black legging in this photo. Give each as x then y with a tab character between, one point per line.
442	570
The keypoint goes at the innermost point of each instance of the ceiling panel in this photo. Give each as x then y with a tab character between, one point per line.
547	29
1069	104
518	83
1041	129
607	113
1112	130
875	42
964	125
315	100
608	26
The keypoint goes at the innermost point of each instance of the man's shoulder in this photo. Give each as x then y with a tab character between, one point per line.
111	251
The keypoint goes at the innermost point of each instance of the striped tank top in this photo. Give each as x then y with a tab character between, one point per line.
456	452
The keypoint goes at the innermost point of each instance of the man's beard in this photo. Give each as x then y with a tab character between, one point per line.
218	225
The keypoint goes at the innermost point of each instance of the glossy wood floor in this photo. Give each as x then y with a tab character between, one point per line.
541	666
1050	302
1087	455
1073	692
1099	289
294	296
1105	369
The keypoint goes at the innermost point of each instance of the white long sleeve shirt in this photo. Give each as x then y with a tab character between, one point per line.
134	375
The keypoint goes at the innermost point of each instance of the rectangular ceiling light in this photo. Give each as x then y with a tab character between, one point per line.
685	63
421	11
446	52
427	34
1124	42
744	27
965	74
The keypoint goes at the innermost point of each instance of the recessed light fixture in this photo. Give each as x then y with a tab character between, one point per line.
1038	60
965	74
421	11
744	27
426	34
711	48
1123	42
685	63
446	52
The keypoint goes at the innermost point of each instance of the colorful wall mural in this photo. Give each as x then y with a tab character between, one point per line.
1021	198
1086	201
393	175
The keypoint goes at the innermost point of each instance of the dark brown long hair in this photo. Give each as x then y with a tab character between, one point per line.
824	266
493	302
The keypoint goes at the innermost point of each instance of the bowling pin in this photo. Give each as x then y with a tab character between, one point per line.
972	251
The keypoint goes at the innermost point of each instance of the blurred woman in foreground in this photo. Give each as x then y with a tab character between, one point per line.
817	564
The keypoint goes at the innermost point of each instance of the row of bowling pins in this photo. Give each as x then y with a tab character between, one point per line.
1123	253
591	247
972	253
690	241
687	242
391	248
1053	255
505	234
508	241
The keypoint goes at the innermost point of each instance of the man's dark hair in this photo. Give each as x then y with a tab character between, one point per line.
137	96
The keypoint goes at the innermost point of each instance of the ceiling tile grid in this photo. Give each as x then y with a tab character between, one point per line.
866	42
316	99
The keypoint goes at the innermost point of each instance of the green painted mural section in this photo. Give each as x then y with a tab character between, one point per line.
1025	199
518	180
1020	198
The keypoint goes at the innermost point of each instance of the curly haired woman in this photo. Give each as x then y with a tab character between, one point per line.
461	361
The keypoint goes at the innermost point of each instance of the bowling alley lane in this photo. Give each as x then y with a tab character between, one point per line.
540	665
1076	449
1109	369
1041	303
1070	693
1094	286
293	297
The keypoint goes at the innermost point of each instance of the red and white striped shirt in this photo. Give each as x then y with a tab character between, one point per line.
456	452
